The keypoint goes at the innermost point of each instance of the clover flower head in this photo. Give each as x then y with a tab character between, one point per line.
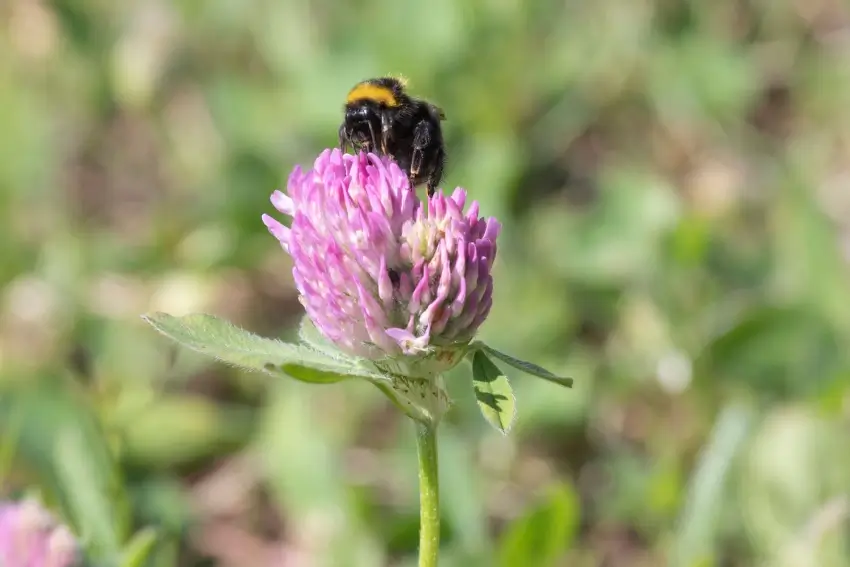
380	273
31	537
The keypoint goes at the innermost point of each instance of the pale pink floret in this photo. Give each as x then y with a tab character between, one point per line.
379	272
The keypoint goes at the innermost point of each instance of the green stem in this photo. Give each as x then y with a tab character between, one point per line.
429	495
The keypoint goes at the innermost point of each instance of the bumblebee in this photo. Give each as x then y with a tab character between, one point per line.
381	117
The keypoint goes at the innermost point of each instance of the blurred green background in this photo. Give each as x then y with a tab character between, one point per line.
674	182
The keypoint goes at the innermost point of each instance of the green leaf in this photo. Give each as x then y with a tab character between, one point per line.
769	348
137	551
701	515
198	428
9	441
61	442
88	494
542	536
311	337
228	343
527	367
493	392
790	486
462	497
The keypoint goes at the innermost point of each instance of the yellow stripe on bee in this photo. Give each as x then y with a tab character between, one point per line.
372	92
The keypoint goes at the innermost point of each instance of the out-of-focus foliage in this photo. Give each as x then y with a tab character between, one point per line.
674	182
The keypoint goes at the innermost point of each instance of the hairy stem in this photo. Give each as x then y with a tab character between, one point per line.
429	495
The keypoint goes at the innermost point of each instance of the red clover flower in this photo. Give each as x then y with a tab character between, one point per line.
381	274
31	537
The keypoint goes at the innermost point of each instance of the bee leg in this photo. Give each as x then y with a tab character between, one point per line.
386	131
373	147
422	138
415	162
436	174
422	135
343	138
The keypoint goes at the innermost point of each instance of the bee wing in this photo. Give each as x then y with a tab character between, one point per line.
438	111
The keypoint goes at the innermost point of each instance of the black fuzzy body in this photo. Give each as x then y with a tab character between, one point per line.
386	121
